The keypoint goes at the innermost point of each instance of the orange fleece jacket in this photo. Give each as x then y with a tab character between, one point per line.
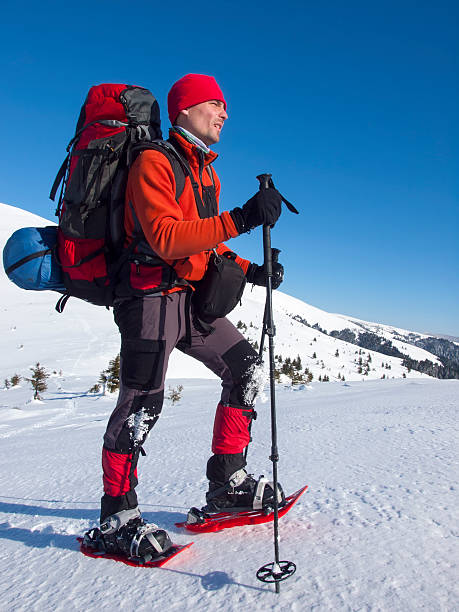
173	229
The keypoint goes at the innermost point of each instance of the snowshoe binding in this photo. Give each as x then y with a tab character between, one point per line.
240	494
126	533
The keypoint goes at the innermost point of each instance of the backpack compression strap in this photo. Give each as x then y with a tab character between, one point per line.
26	259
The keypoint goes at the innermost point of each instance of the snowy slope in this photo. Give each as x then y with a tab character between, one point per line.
294	338
82	339
28	321
376	531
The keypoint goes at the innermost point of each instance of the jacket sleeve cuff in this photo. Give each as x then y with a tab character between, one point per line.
230	224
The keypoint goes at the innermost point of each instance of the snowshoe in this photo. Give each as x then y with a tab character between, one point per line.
242	492
199	522
126	533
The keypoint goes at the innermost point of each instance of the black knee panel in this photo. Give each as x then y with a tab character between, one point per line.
142	363
242	359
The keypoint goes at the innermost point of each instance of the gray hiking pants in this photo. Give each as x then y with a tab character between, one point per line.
151	327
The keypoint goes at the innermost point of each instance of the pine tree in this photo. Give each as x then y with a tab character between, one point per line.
295	378
103	380
287	367
15	380
38	380
113	374
175	394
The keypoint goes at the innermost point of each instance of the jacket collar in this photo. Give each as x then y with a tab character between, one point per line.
191	151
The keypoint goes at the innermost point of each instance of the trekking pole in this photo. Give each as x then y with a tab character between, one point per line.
275	257
278	570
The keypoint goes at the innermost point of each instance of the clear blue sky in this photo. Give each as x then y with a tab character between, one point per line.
351	105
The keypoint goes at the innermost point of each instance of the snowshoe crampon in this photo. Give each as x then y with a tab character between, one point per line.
200	521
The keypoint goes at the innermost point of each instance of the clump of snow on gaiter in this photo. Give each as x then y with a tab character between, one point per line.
258	375
138	424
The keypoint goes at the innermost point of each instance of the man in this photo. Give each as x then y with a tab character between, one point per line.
170	238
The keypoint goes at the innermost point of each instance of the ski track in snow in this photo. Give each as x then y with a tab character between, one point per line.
377	529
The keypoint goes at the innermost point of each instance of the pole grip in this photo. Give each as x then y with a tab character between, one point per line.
267	251
264	180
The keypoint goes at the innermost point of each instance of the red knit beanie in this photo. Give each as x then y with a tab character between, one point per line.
190	90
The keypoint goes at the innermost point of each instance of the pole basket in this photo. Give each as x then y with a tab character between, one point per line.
276	572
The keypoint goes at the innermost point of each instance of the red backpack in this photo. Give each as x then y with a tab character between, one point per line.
116	123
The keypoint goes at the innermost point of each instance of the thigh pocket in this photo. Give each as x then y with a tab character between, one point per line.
142	363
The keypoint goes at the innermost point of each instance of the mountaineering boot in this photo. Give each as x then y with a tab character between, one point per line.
126	533
242	492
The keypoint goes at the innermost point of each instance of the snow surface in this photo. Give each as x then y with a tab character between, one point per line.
378	529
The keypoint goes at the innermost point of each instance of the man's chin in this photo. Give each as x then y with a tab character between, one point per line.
211	140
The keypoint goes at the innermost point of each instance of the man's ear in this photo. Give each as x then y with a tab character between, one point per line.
185	111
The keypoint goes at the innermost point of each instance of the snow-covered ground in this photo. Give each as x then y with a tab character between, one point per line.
377	530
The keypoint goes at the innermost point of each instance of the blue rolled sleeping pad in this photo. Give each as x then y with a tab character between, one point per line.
30	262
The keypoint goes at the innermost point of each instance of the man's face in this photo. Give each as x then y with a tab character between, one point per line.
205	120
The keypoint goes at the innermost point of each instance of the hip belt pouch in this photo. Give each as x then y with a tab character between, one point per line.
221	288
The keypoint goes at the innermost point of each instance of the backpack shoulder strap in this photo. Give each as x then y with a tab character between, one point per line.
178	164
203	212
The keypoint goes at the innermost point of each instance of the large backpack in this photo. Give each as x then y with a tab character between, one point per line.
116	123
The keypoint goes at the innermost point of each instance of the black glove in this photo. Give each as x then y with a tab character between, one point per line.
256	275
263	209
